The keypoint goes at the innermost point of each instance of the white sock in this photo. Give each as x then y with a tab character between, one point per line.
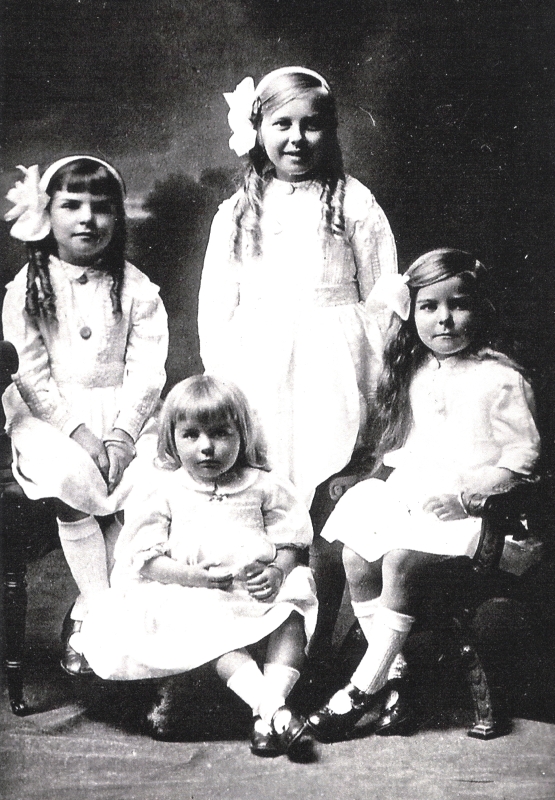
386	635
83	547
398	668
279	680
364	610
248	683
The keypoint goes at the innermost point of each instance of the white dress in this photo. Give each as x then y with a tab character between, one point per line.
141	628
111	379
291	328
467	414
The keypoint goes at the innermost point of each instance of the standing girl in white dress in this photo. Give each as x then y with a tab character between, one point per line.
91	334
453	419
291	259
208	563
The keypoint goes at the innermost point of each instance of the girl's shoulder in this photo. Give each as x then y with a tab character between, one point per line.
277	485
359	200
498	364
137	284
489	370
227	206
19	280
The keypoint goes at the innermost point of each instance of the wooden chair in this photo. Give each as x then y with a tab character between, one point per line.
460	587
28	531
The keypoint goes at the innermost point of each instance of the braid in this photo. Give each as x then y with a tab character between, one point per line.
39	296
247	214
116	287
333	199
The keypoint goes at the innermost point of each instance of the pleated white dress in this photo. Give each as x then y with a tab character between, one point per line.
468	413
141	628
291	327
111	379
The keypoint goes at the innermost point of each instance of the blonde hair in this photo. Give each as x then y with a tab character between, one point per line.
247	213
204	399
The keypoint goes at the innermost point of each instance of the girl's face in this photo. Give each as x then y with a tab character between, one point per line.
83	225
207	451
445	317
294	136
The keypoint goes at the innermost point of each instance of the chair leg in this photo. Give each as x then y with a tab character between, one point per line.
14	531
15	610
485	725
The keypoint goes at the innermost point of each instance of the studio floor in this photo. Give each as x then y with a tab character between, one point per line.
85	739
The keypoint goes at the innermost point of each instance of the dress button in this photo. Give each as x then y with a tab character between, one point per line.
82	279
290	188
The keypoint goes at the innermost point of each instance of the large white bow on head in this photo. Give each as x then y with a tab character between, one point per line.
391	293
240	104
30	202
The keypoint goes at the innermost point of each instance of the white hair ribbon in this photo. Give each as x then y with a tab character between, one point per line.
392	294
241	103
30	199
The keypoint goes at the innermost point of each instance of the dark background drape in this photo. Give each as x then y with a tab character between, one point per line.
446	110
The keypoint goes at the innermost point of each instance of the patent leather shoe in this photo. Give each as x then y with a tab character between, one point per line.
264	741
72	662
331	726
398	717
292	734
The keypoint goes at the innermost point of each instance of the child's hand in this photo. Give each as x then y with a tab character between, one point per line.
211	576
264	580
446	507
94	447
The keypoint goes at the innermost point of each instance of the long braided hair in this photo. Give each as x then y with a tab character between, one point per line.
404	351
331	177
81	175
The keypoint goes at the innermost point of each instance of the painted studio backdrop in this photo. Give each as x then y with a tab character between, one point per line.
446	113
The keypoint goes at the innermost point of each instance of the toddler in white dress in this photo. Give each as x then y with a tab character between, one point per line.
208	563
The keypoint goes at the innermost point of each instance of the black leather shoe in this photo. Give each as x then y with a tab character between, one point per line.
264	743
329	726
398	717
74	663
291	732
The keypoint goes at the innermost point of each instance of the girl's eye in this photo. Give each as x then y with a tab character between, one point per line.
103	207
427	307
222	433
314	125
462	304
189	433
282	124
71	204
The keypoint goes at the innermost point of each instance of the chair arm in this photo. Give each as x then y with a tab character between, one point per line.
9	363
501	516
339	484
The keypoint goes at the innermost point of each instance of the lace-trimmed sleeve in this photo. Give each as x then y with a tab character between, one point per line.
370	236
286	517
144	535
514	427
